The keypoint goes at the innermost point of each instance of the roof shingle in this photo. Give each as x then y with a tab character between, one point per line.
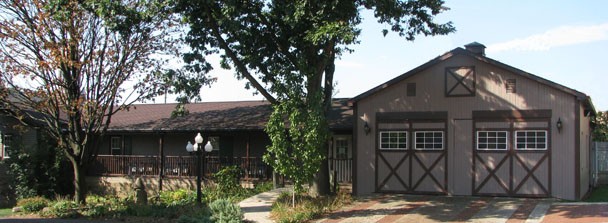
213	116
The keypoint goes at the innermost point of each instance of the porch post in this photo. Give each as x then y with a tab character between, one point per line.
161	148
247	168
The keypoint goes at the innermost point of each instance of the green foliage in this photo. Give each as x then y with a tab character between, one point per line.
599	194
178	197
307	208
33	204
287	51
189	219
38	171
5	212
228	179
262	187
296	149
88	61
170	205
109	206
63	209
600	132
224	211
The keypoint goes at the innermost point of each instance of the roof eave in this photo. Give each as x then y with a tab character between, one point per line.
405	75
581	96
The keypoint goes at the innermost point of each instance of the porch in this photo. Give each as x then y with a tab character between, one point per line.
252	168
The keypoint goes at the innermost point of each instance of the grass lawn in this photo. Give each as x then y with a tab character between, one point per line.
599	194
5	212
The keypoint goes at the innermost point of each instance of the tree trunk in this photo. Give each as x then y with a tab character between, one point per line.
79	183
320	186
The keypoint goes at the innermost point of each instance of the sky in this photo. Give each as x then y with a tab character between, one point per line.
562	41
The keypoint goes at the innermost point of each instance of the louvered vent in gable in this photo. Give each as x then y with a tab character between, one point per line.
411	89
460	81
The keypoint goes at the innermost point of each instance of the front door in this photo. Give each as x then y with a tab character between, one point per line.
340	158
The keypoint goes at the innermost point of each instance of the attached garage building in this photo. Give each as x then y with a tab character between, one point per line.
465	124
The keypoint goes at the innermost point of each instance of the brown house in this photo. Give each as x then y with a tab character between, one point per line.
465	124
460	124
146	141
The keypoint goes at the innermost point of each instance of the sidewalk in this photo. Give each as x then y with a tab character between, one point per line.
257	208
385	208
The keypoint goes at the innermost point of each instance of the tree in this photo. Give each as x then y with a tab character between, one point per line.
75	63
286	50
600	130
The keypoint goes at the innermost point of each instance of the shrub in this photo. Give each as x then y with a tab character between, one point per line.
307	208
227	179
33	204
224	211
99	206
177	197
40	171
63	209
189	219
263	187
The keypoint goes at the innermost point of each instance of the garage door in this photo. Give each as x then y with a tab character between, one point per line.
512	159
411	157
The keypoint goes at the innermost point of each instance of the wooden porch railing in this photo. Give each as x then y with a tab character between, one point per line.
175	166
343	168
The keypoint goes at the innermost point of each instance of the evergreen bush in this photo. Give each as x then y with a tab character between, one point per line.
224	211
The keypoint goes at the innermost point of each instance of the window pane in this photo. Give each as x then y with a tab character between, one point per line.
531	140
393	140
492	140
429	140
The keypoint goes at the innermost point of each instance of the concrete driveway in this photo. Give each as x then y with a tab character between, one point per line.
413	208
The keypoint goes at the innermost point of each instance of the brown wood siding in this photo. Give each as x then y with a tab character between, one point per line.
461	158
491	95
585	148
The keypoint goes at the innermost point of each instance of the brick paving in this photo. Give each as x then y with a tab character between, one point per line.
413	208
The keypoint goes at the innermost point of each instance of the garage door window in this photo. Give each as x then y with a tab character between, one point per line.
531	140
492	140
429	140
393	140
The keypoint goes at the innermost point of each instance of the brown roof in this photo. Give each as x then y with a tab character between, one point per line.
213	116
460	51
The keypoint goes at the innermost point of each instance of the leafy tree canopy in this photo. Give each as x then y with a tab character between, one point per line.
600	131
286	50
75	63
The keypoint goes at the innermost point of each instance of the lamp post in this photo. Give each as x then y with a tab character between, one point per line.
196	148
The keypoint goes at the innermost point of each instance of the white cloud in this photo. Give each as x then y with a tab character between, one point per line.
557	37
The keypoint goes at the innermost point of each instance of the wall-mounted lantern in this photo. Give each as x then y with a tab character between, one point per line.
559	125
366	128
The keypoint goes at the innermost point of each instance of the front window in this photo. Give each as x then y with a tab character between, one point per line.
491	140
393	140
531	140
429	140
115	145
5	144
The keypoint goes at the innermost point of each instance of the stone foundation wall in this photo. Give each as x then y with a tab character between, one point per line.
122	186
